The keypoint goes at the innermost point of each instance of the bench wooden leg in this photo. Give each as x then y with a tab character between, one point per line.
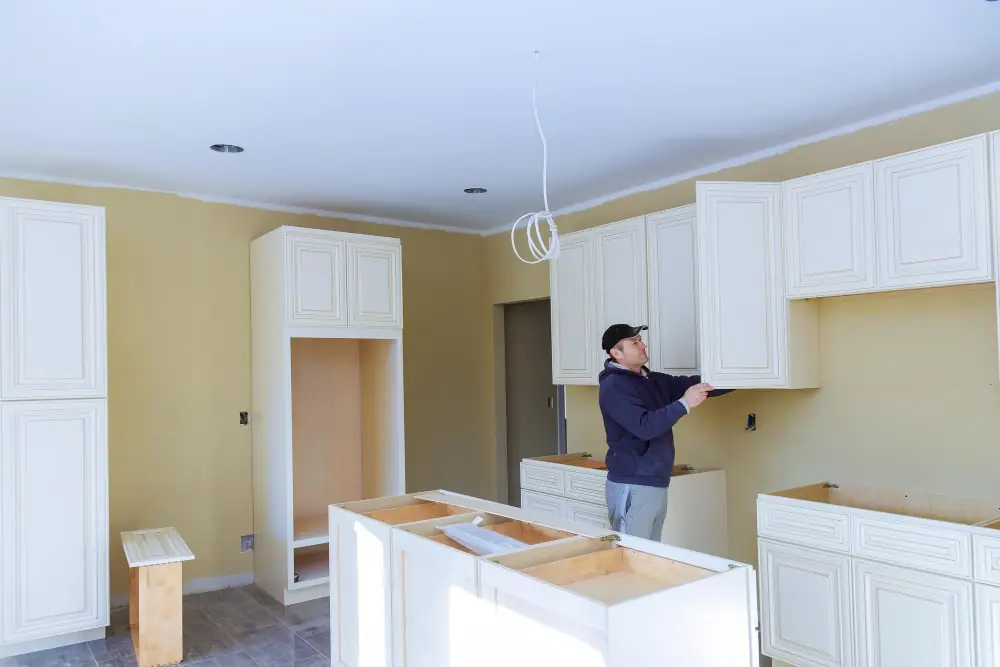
156	614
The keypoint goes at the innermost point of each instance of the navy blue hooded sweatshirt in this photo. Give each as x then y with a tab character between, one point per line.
639	414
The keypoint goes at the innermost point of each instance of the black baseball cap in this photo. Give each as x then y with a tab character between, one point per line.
619	332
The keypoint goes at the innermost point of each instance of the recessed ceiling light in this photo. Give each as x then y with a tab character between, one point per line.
475	191
226	148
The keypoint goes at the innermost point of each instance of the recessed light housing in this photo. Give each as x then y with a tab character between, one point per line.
226	148
475	191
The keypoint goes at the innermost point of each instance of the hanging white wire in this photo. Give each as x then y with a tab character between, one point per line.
540	250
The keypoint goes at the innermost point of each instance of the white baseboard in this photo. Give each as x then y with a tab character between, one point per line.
203	585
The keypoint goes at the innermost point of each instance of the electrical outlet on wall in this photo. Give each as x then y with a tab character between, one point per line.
246	543
751	422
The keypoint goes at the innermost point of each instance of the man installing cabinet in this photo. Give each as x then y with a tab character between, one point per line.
640	408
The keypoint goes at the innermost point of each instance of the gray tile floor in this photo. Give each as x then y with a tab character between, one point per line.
237	627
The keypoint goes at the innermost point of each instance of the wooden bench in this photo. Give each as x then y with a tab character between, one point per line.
155	616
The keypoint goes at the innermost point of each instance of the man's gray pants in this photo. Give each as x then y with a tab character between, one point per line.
637	510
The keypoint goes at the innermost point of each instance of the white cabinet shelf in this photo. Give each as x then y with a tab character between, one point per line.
53	426
327	394
636	271
855	576
406	594
571	487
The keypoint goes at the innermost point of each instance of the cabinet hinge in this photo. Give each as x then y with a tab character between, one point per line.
611	538
828	485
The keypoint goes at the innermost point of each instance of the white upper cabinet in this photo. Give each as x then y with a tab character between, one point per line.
374	284
672	291
932	213
53	336
571	288
636	271
335	279
750	335
829	230
620	276
317	291
995	171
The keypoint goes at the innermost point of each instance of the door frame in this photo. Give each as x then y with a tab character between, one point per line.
500	405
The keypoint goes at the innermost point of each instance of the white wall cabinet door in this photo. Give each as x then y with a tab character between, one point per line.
672	291
53	336
988	625
620	273
912	618
995	171
932	212
806	602
829	232
742	318
53	466
374	284
317	290
571	287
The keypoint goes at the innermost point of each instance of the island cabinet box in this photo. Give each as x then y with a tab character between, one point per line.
591	602
361	570
404	594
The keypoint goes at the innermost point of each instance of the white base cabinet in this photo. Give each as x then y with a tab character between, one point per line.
405	594
53	426
855	576
571	487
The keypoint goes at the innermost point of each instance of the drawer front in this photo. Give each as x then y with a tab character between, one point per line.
586	513
586	487
922	547
543	478
821	528
986	557
539	503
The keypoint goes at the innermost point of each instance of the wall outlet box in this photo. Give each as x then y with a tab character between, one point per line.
246	543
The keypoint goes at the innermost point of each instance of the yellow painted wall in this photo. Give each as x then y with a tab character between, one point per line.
908	394
179	364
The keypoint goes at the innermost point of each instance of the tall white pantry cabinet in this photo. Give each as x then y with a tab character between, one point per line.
327	406
53	425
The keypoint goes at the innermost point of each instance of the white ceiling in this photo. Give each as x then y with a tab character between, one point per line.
389	108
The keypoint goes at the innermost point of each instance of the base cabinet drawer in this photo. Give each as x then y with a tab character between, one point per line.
586	513
545	479
913	545
543	504
804	525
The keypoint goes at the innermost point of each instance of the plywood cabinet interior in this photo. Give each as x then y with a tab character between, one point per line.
856	576
53	426
409	595
635	271
750	334
571	487
327	394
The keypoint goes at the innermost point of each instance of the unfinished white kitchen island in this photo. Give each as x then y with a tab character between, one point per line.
403	593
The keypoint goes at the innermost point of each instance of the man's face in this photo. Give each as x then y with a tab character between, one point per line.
631	352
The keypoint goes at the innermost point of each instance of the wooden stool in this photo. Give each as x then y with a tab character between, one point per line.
155	614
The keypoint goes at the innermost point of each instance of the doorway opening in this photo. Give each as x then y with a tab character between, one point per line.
533	412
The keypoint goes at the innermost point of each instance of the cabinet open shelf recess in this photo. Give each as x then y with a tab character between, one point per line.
728	284
326	310
407	592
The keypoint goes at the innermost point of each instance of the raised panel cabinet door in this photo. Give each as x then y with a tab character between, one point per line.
620	294
995	171
988	625
805	601
672	291
53	335
741	308
54	516
317	291
375	284
912	618
829	221
571	287
932	213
